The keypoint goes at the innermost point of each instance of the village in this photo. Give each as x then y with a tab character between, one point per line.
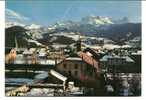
74	70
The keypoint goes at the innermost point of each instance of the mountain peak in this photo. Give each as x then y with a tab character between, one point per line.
33	26
121	20
96	20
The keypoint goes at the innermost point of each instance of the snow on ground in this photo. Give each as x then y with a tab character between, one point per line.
72	35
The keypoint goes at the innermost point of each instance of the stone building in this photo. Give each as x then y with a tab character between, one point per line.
82	67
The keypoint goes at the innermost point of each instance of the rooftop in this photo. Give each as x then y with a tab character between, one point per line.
74	58
20	59
58	75
106	57
88	59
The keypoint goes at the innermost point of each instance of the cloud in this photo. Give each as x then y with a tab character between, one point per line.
12	15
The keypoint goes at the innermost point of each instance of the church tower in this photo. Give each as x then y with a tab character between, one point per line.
78	44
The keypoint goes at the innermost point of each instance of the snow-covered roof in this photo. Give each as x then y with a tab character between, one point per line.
74	58
111	46
27	52
58	75
105	46
46	62
106	57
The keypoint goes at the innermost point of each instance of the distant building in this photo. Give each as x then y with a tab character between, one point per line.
116	63
30	56
135	43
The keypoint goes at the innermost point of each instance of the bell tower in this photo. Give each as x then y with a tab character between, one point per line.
78	44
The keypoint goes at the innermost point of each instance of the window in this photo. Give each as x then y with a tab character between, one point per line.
76	73
69	72
64	65
76	66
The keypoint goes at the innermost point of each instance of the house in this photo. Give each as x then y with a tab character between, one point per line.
82	67
116	63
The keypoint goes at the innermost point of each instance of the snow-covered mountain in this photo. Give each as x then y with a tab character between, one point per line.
10	24
121	20
88	20
33	26
98	26
64	25
96	20
29	27
88	24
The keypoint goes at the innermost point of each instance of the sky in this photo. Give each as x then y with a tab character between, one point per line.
46	12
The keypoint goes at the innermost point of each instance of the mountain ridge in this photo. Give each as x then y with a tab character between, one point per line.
118	32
